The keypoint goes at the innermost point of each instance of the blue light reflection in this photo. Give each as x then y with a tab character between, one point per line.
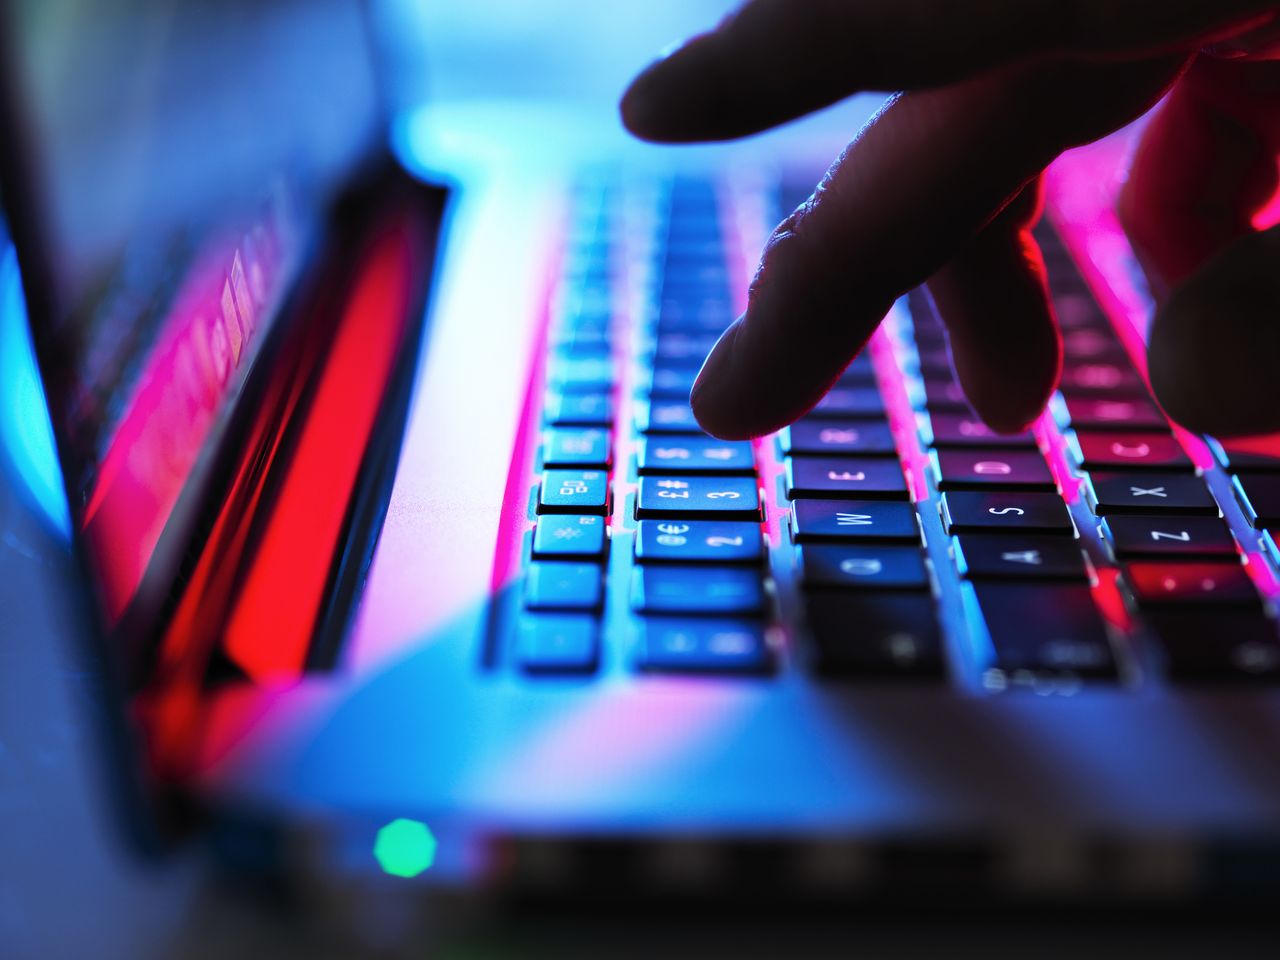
26	435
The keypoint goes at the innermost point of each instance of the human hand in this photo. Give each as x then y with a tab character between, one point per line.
942	187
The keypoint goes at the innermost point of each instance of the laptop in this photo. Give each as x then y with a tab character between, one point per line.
402	546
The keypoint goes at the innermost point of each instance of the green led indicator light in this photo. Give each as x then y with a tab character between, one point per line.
405	848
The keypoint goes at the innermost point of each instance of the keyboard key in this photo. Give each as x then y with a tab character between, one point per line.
876	635
571	375
1259	496
1114	493
681	645
558	643
698	541
579	410
959	430
561	536
1116	414
945	396
1017	556
695	455
854	520
1005	510
1128	451
580	343
666	416
1217	645
685	349
1091	344
1172	537
849	402
709	498
561	585
672	382
576	447
1043	630
695	314
1102	379
857	566
845	477
1206	584
980	468
837	437
574	491
1076	308
720	591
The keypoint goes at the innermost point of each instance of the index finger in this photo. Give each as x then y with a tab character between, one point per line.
924	176
775	60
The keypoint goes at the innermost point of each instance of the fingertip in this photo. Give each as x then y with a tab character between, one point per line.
667	102
719	403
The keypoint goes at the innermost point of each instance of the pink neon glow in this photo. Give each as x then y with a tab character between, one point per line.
209	335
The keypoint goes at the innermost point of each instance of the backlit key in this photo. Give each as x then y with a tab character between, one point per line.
1104	450
576	447
977	468
1203	584
698	541
866	567
881	636
561	536
1133	413
721	591
579	410
1168	536
558	643
711	498
695	455
850	477
574	491
561	585
837	437
844	401
665	417
1113	493
704	646
1109	379
672	382
1005	510
1041	631
959	430
1015	556
854	520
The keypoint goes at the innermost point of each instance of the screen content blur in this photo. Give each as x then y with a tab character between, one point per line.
175	161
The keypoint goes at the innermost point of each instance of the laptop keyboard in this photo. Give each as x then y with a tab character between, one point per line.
887	535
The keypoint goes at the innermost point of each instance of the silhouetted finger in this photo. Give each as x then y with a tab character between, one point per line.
775	60
1004	339
1204	167
919	183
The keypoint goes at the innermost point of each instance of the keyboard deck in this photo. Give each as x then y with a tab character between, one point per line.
886	536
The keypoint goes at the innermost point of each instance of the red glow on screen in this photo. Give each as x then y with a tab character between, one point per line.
278	604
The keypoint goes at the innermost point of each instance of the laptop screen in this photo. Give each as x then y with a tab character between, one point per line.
167	166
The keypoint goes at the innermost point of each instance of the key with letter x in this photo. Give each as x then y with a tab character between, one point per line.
1112	493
